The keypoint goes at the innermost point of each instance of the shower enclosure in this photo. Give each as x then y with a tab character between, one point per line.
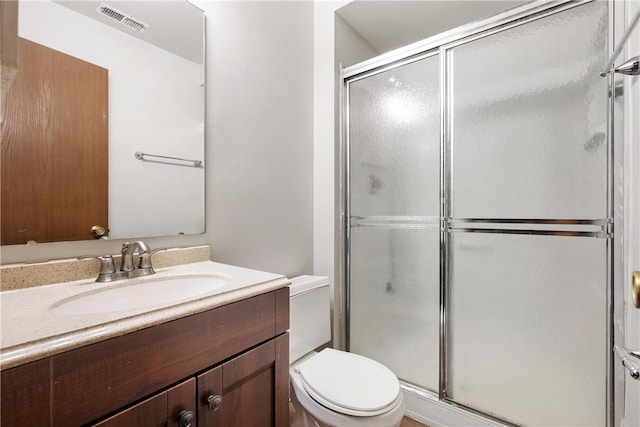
478	208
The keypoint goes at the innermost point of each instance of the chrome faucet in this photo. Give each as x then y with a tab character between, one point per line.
144	267
128	269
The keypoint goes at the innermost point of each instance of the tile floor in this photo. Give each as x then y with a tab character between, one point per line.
408	422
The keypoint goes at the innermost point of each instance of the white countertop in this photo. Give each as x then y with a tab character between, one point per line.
29	330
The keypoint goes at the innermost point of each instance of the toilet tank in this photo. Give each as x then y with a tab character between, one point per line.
309	322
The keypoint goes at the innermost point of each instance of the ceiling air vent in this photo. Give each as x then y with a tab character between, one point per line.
122	17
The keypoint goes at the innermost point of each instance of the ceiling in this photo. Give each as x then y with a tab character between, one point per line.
176	26
390	24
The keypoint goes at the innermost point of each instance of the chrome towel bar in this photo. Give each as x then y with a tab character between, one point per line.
141	156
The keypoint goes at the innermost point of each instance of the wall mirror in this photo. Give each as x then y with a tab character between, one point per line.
148	60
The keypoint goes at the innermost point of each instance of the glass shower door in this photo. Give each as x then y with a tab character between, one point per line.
394	204
528	240
478	200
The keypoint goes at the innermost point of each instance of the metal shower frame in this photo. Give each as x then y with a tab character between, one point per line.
603	228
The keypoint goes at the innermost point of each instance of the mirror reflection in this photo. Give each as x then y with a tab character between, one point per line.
98	82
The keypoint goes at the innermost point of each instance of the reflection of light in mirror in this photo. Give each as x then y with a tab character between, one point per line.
401	108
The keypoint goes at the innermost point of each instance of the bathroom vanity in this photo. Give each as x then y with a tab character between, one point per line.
226	365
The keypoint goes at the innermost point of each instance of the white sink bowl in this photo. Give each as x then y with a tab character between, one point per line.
150	292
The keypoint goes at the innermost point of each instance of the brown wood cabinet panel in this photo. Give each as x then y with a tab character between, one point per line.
26	397
250	403
100	378
209	387
247	387
181	398
243	367
281	385
150	413
54	148
161	410
282	310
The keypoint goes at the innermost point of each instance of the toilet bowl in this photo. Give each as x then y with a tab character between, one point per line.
333	388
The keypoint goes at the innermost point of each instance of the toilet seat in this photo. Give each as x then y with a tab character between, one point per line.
349	383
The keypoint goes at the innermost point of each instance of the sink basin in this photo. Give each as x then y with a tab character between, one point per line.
147	293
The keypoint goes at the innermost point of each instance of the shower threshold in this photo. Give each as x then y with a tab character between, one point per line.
424	406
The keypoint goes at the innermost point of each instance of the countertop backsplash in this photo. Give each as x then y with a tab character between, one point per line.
20	276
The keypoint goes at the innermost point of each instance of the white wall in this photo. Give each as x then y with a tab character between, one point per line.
351	48
260	131
325	190
150	110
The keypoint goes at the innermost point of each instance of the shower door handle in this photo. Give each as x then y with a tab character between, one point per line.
630	360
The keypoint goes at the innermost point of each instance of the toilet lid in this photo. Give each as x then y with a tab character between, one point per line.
349	383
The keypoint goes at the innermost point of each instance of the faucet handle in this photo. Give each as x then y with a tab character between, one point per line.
159	250
107	267
145	259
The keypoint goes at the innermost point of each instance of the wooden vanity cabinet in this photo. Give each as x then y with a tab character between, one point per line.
227	366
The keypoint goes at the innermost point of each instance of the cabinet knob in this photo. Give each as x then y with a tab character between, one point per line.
185	418
214	402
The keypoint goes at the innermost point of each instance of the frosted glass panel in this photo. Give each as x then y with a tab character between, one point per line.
395	300
527	334
529	119
394	139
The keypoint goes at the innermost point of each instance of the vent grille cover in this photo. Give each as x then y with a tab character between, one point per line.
122	17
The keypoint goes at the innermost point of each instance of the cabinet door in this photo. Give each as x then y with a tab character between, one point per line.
171	408
247	391
26	395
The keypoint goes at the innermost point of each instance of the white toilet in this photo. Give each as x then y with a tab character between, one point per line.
333	388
